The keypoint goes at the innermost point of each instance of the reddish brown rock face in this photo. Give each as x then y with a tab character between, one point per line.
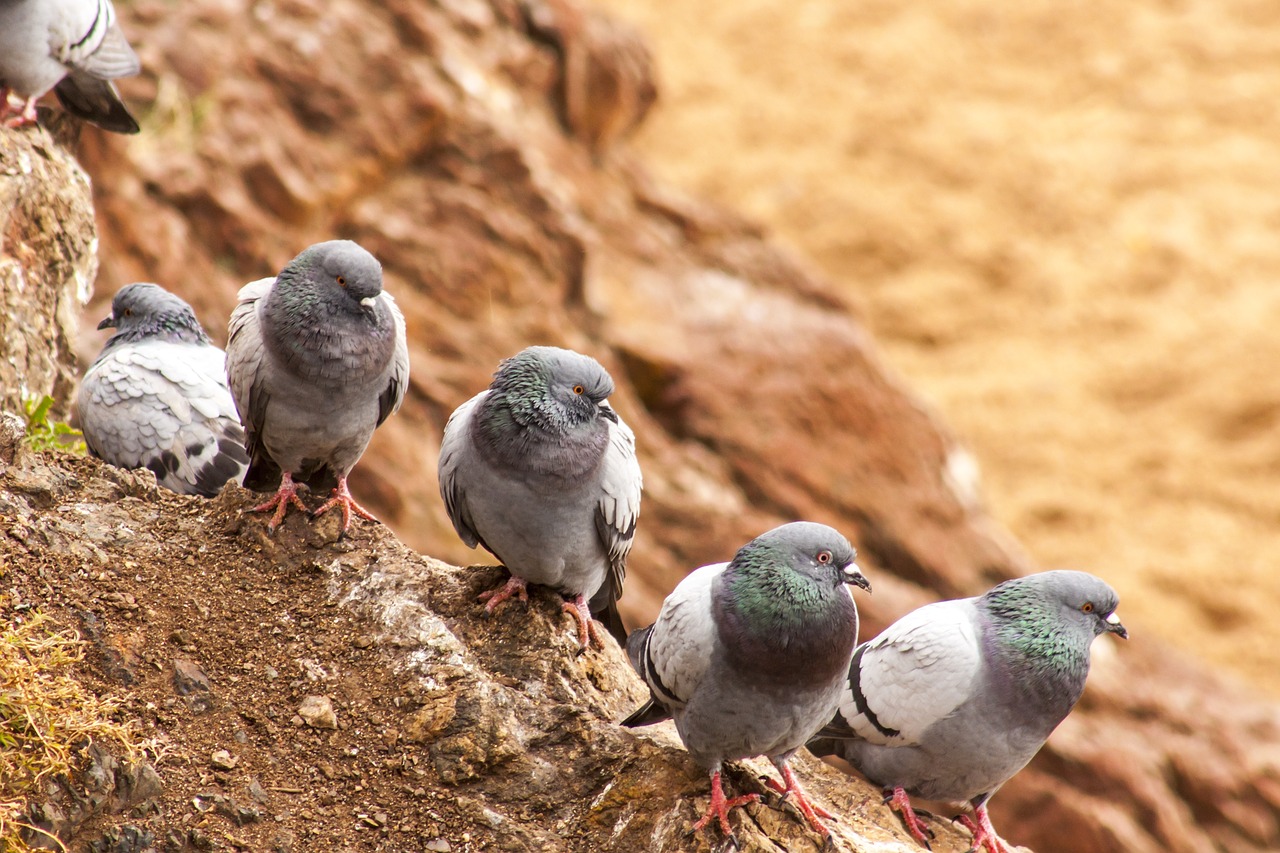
431	135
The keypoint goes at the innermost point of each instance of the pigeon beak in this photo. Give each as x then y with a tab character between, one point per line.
1113	626
853	575
369	301
108	322
608	412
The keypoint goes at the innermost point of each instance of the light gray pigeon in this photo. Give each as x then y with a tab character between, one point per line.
749	657
956	697
157	396
317	360
542	472
75	48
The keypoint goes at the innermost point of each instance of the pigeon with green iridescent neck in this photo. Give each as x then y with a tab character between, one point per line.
156	396
749	657
75	48
954	698
317	360
541	472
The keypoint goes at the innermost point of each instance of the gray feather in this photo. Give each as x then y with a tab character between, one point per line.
313	369
546	477
952	700
722	657
73	45
157	396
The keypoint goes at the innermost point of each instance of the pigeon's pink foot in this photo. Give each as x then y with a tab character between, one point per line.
809	810
514	586
588	631
900	803
26	114
285	495
984	834
341	496
719	807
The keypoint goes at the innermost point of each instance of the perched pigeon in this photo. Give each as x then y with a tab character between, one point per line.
749	657
317	360
956	697
157	396
71	46
542	472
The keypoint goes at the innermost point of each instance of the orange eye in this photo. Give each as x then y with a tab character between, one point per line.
578	389
128	312
342	282
824	557
1088	607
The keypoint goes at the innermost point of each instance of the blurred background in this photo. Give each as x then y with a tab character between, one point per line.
1060	224
989	288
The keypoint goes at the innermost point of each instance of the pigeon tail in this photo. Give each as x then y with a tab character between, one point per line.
719	808
606	612
96	101
647	714
984	834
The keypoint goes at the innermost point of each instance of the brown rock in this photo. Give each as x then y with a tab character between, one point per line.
48	261
317	712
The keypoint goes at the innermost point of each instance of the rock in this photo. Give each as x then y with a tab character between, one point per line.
317	712
191	683
223	760
48	261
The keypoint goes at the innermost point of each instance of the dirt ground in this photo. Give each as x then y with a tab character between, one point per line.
1060	223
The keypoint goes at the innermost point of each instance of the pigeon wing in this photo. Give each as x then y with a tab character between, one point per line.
616	515
916	673
456	452
674	653
393	395
246	373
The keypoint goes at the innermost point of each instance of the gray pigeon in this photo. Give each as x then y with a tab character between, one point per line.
317	360
956	697
75	48
749	657
157	396
542	472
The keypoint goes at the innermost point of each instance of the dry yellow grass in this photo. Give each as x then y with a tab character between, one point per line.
47	717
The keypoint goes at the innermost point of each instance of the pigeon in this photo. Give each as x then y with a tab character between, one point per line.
75	48
541	472
156	396
750	657
317	360
956	697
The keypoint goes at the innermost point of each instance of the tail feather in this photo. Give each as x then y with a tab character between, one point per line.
96	101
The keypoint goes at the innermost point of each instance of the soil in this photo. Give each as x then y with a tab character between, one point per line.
1059	222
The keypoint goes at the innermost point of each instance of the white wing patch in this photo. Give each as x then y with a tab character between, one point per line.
619	507
684	637
455	446
916	673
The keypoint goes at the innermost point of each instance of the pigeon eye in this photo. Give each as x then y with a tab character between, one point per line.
824	557
128	312
1087	607
342	281
578	389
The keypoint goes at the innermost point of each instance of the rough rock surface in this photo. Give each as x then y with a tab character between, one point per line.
48	259
434	137
443	725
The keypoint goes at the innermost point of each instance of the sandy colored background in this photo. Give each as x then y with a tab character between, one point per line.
1061	223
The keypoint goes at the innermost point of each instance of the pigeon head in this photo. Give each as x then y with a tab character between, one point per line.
1077	601
555	389
143	310
781	605
337	273
813	552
